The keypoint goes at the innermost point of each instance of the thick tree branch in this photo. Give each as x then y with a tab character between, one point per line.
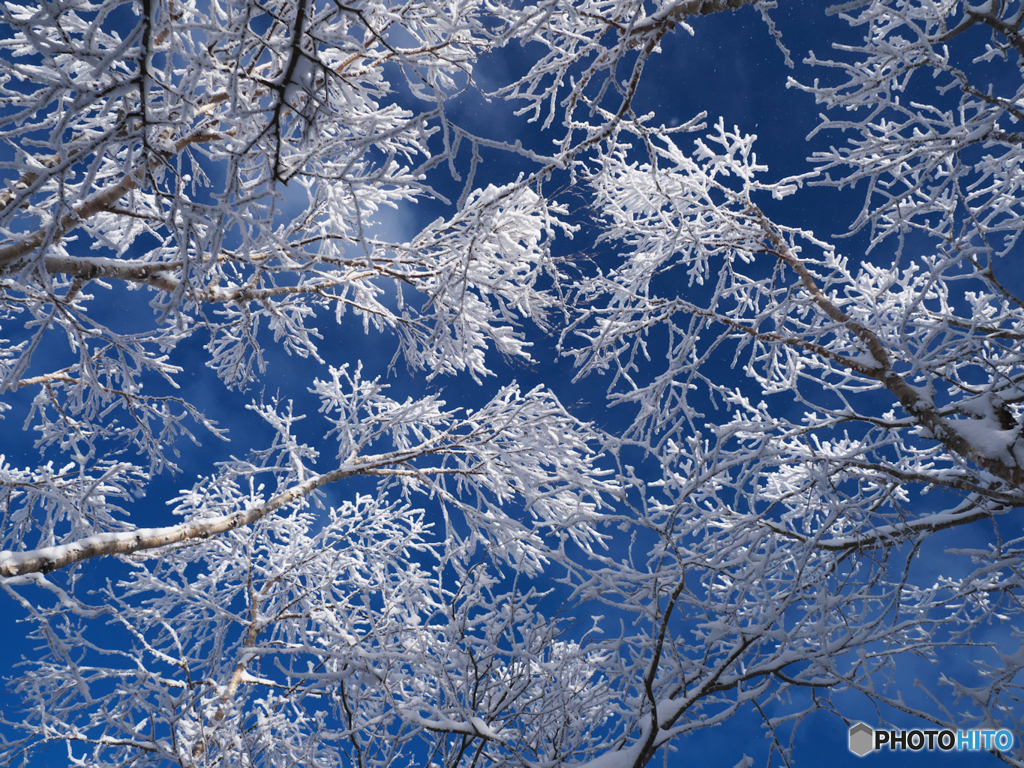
48	559
99	203
915	405
671	14
125	543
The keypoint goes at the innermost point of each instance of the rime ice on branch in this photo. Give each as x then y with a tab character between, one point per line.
502	584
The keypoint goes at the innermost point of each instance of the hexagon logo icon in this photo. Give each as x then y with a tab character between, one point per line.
862	739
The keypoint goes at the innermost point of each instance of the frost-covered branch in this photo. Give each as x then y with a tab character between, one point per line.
808	467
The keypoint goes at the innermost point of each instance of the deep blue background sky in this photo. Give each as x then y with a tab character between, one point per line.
731	68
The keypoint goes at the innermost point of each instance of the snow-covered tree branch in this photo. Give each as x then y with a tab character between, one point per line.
271	245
